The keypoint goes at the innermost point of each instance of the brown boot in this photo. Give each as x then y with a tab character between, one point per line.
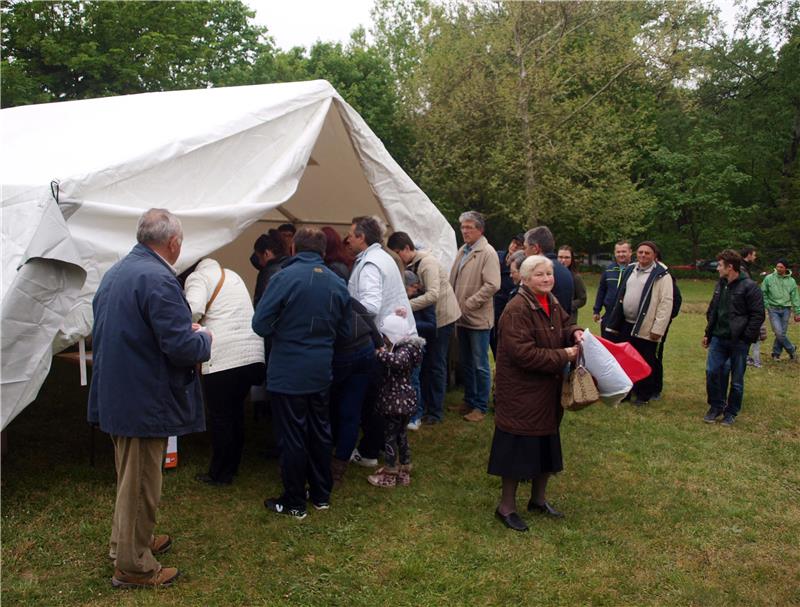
160	544
338	468
474	416
161	579
461	409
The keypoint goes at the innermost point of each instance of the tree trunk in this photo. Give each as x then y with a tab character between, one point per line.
524	119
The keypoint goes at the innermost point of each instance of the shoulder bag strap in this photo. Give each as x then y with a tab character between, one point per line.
215	293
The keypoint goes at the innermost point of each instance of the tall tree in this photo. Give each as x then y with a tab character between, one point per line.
76	50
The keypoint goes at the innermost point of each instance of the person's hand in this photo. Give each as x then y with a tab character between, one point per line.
572	353
705	342
596	317
654	337
578	336
196	327
401	312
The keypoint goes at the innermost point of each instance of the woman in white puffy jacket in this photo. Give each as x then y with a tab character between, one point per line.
236	363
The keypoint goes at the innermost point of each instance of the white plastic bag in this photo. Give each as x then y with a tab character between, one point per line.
612	382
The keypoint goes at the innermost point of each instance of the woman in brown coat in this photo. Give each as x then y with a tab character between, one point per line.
535	342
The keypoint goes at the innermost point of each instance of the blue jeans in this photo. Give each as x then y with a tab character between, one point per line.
779	319
721	354
352	374
434	372
473	347
415	383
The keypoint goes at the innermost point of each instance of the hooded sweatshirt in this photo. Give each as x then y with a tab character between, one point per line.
781	291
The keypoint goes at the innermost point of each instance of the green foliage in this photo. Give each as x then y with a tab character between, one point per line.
601	119
693	186
79	50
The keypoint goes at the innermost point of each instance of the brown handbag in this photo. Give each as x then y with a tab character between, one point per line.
578	390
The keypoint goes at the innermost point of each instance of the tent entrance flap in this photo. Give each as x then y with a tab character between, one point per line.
332	190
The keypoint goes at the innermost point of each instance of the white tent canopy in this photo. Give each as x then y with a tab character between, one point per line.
229	162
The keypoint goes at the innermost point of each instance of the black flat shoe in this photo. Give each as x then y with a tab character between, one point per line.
545	508
512	521
208	480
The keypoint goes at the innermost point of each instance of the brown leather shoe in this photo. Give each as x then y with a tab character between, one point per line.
159	545
474	416
161	579
338	469
461	409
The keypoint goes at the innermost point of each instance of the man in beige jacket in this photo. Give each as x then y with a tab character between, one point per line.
643	311
475	278
439	293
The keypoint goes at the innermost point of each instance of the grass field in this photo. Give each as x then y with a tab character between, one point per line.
661	509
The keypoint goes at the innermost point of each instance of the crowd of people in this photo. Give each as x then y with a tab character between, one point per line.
346	340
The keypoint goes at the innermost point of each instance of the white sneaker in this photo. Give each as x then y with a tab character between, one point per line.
414	424
367	462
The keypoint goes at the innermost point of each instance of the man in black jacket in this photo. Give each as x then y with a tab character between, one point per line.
540	241
734	317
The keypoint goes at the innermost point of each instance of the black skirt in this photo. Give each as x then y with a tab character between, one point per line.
524	457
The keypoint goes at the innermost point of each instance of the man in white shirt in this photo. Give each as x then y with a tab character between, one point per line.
376	283
375	280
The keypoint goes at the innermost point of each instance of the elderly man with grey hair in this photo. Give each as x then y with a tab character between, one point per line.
475	278
144	388
540	241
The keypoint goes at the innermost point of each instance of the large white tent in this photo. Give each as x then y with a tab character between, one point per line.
230	162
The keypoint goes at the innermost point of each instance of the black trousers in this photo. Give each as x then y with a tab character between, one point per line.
658	381
644	388
225	392
371	421
396	442
303	433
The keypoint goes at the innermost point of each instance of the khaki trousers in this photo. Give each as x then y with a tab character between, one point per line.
138	462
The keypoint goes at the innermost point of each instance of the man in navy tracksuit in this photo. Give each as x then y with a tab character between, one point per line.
304	310
609	283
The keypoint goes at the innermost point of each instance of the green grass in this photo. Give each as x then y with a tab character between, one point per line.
661	510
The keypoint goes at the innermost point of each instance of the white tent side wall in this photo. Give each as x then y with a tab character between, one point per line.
39	296
227	162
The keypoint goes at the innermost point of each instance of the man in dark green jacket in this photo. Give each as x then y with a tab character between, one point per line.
734	318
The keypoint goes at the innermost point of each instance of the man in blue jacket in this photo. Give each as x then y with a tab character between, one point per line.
304	310
144	388
540	241
609	283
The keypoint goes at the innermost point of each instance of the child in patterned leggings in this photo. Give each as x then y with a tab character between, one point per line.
397	399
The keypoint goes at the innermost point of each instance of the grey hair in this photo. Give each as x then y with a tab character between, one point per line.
541	236
157	226
531	263
517	257
370	227
475	218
